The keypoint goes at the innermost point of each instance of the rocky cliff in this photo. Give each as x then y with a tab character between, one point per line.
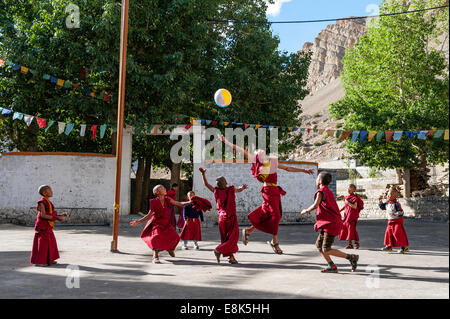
328	49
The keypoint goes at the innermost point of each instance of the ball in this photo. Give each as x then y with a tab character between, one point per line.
222	97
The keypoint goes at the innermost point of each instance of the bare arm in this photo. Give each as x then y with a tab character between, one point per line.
205	181
295	169
250	157
240	189
314	206
136	222
354	206
44	215
179	204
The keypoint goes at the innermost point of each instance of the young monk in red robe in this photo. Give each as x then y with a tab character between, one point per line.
191	215
172	193
228	224
328	221
45	250
353	205
266	218
395	235
158	233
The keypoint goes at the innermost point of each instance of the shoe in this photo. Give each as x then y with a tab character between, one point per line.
184	247
196	247
217	254
354	261
41	265
387	248
356	245
330	270
349	246
245	237
171	253
233	261
404	250
156	260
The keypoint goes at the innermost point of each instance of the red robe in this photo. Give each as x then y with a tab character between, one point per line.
158	233
45	249
192	229
395	235
328	217
266	217
173	195
351	216
228	224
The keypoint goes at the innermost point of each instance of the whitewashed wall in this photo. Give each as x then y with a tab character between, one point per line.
81	184
299	187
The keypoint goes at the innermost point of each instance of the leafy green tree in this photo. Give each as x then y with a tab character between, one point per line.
395	80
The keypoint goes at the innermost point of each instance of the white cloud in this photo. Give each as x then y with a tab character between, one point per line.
275	8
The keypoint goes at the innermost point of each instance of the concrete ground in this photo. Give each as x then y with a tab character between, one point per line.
423	273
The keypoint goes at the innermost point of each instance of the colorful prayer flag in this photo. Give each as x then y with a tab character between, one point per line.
82	129
389	135
69	128
355	136
61	126
49	125
41	122
28	119
94	131
372	135
397	135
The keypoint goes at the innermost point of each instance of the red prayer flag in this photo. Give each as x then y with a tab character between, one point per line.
246	125
430	132
83	73
41	122
345	134
389	135
75	86
214	123
94	131
187	127
106	97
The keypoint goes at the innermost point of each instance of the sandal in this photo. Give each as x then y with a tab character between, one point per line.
276	248
217	254
330	270
171	253
245	237
349	246
356	245
233	261
156	260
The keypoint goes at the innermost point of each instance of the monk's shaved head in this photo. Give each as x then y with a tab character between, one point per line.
221	182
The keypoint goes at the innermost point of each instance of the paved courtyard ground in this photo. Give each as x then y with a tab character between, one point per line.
423	273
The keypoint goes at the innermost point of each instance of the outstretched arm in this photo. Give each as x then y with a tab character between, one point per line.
295	169
314	206
249	156
240	189
136	222
179	204
205	181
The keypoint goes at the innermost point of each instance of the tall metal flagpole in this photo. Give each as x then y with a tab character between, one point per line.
120	116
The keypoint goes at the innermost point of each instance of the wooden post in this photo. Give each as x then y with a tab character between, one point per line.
120	116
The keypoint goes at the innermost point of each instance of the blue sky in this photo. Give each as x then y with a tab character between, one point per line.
293	36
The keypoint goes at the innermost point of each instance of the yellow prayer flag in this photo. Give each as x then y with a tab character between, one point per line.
24	70
290	128
372	135
330	132
191	120
226	123
257	126
321	131
60	82
446	135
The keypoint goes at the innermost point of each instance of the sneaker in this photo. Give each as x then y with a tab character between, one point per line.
354	261
184	247
233	261
404	250
356	245
387	248
349	246
196	247
171	253
330	269
156	260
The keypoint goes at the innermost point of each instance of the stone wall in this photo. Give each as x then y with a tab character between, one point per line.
83	185
426	208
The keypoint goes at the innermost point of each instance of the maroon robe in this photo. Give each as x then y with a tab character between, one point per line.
351	216
158	233
45	249
395	235
266	217
173	195
328	217
191	230
228	224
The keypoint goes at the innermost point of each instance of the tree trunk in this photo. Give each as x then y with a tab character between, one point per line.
146	184
114	143
399	176
138	187
175	178
419	175
407	182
